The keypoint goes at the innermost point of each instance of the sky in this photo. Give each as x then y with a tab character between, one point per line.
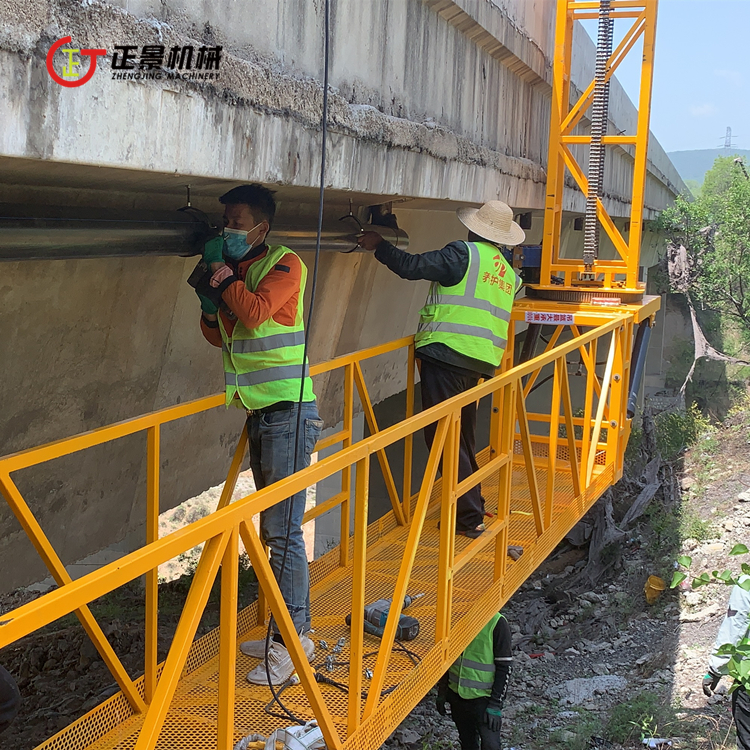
701	73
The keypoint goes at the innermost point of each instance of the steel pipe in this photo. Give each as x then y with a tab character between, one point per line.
56	233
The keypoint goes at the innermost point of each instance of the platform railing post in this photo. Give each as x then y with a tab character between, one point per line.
359	566
151	637
587	414
228	641
507	429
446	551
195	603
554	428
346	474
606	384
409	439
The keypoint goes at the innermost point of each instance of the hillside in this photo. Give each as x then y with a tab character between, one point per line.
693	165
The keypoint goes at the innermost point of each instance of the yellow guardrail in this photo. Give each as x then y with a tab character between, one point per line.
545	442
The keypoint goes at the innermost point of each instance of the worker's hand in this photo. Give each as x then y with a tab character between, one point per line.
200	280
369	240
207	305
710	683
213	251
493	718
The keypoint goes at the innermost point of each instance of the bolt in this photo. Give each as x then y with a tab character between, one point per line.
617	378
495	410
323	645
613	423
368	674
336	649
341	643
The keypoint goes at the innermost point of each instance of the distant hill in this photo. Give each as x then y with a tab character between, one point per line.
693	165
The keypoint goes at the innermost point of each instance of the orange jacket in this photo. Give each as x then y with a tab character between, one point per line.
276	296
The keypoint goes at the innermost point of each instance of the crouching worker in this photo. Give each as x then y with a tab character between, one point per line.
476	684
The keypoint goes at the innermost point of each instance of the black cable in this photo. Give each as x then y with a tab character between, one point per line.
308	325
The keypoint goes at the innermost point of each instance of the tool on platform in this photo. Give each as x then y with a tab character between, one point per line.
376	615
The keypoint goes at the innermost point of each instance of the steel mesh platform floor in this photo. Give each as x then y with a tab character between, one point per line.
191	722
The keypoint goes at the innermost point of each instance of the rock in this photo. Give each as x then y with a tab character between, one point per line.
406	735
568	715
579	534
566	736
687	482
572	652
643	659
600	669
744	497
701	614
582	689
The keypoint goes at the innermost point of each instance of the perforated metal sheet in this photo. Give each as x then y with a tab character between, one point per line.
191	722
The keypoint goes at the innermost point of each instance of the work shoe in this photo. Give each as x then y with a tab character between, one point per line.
280	667
474	533
257	649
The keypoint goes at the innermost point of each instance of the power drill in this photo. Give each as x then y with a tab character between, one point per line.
376	615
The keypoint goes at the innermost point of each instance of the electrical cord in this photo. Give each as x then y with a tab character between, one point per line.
324	679
308	325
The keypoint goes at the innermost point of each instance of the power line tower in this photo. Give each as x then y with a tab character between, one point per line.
728	139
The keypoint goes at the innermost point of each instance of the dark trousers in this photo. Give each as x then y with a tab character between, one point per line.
741	713
468	716
10	699
439	384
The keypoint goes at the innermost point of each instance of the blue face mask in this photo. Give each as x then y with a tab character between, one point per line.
235	243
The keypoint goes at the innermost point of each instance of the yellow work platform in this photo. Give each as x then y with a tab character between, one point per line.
542	470
191	721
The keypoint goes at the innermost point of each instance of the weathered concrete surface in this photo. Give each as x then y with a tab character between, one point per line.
431	113
425	107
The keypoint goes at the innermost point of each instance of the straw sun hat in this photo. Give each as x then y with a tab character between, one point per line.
494	222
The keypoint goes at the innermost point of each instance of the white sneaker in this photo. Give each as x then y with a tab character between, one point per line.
257	649
280	667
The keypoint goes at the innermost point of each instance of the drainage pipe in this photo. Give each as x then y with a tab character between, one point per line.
640	350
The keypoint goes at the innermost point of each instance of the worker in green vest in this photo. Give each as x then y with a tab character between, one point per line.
463	327
476	684
251	297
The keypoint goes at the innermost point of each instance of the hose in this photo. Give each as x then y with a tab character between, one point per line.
308	325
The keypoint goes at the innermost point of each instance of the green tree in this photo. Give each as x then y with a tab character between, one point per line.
714	229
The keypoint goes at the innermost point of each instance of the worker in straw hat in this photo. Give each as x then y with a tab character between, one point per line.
463	326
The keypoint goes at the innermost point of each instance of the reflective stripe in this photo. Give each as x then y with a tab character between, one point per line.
266	343
467	330
473	276
466	300
463	682
267	375
477	665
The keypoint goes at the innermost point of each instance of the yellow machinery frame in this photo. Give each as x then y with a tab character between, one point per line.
620	274
564	474
541	471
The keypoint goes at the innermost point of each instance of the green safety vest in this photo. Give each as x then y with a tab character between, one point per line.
263	365
472	675
472	316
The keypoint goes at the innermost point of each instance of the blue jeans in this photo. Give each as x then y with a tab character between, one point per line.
271	459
